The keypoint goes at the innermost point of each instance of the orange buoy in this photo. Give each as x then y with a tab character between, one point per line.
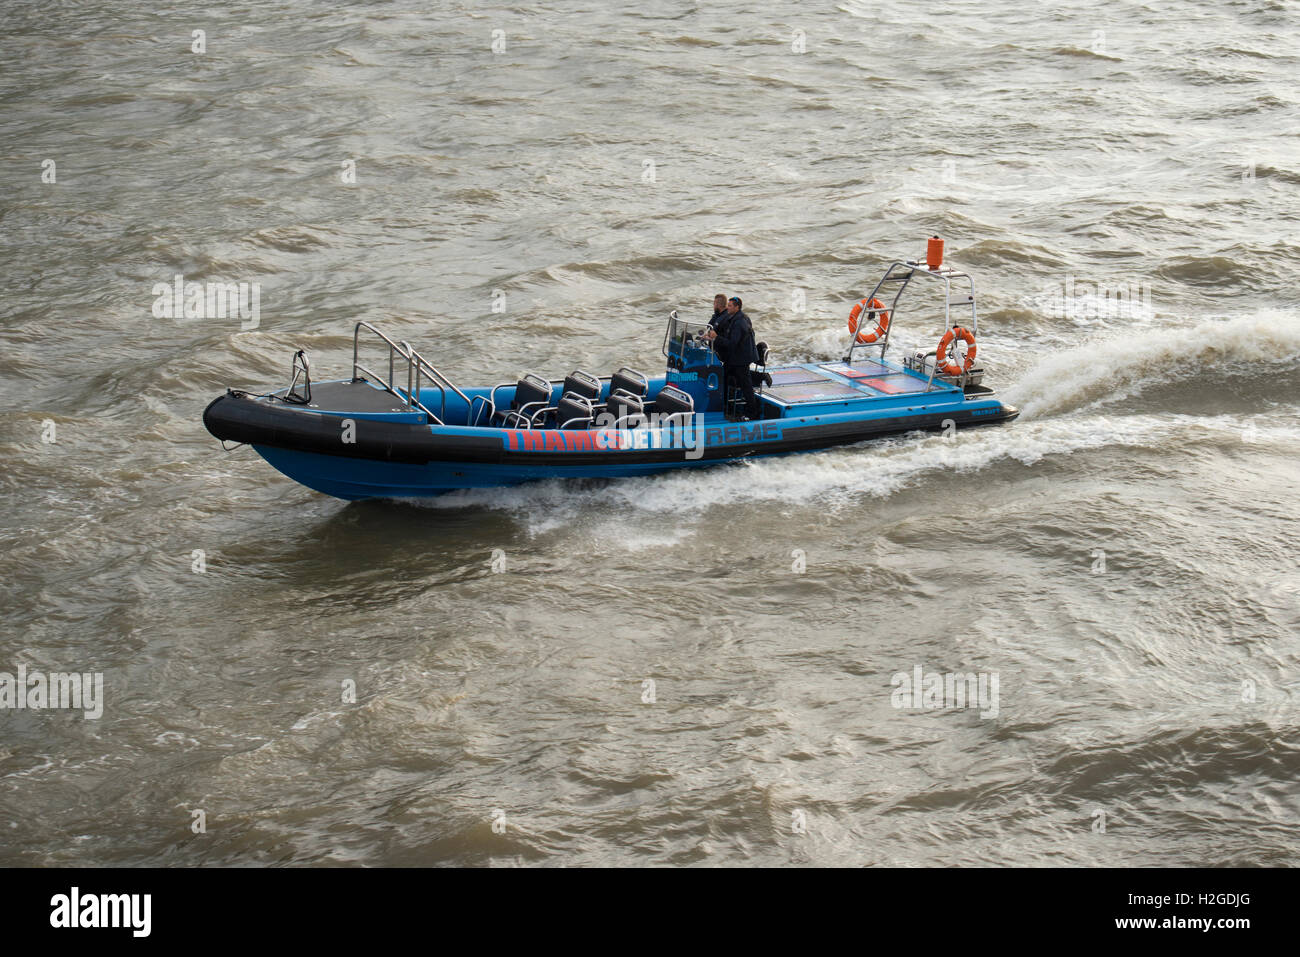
941	354
934	252
874	308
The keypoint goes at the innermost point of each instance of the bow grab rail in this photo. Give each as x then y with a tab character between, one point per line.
417	367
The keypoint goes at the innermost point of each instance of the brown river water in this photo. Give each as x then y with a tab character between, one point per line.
699	668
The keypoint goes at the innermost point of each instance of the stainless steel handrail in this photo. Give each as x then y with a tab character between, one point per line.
908	270
417	365
413	363
488	407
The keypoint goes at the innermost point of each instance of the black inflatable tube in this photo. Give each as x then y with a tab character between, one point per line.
236	417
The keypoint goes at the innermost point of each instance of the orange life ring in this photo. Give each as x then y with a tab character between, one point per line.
941	354
875	308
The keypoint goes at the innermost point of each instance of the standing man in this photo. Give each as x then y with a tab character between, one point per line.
734	345
719	311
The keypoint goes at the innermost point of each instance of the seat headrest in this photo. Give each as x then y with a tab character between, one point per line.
573	411
672	400
532	388
582	383
623	404
629	381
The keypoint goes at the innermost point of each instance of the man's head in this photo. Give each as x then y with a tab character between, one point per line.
733	304
719	302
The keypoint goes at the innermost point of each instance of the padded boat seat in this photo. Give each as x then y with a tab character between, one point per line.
625	408
629	381
673	401
582	384
532	395
573	412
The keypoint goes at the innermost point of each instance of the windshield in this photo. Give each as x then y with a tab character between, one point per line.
682	334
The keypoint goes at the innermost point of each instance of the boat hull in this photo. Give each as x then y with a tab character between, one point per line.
397	455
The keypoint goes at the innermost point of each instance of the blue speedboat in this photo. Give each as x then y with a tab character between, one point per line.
405	429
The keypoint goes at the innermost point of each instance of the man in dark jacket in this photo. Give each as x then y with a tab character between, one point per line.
719	310
735	347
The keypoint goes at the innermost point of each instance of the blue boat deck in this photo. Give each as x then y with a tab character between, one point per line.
796	390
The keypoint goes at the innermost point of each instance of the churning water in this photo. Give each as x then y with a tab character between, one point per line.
695	668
